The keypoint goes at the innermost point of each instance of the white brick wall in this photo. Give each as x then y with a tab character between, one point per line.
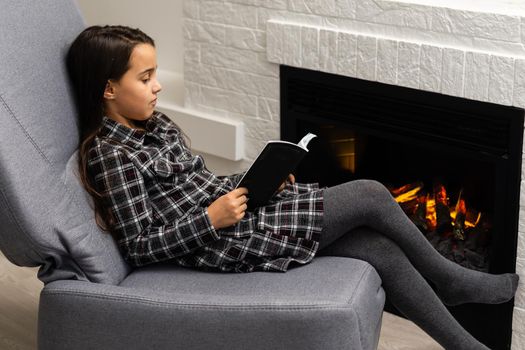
233	50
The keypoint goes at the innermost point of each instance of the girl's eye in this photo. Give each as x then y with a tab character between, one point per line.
145	80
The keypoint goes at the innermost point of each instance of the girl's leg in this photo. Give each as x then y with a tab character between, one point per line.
369	203
408	291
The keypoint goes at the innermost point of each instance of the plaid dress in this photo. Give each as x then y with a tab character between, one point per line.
159	192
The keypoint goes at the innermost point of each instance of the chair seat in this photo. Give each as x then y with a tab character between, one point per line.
330	281
333	303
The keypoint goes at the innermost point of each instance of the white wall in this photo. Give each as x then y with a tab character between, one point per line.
160	19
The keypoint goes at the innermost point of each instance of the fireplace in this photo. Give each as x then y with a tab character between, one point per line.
453	164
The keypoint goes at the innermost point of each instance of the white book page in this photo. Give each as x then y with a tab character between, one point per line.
303	143
305	140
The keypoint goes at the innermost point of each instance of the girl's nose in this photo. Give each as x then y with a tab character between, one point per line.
157	88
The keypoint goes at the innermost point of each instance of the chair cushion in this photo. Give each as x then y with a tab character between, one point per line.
347	293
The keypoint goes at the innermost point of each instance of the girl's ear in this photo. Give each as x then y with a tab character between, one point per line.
109	91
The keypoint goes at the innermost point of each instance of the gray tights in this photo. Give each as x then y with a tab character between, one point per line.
363	221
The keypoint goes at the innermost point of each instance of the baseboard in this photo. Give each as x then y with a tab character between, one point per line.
217	136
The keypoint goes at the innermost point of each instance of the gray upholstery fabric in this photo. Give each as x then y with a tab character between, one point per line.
331	304
45	215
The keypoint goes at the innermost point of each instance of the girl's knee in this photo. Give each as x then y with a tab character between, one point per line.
362	201
361	185
372	185
373	189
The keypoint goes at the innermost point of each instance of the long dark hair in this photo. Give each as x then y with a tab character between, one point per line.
98	54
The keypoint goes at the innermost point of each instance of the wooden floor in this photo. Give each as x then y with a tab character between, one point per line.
20	289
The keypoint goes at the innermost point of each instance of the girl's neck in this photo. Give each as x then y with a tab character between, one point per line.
132	124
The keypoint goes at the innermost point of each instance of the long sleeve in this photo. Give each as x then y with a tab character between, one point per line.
234	178
143	236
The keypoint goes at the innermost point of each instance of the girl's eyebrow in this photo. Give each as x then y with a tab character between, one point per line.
148	70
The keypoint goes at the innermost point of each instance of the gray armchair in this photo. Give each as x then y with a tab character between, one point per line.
91	298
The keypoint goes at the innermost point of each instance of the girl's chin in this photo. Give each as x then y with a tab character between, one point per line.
148	114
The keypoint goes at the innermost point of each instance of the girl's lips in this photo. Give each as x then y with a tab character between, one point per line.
154	101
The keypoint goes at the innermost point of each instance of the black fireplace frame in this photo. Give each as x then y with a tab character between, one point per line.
315	96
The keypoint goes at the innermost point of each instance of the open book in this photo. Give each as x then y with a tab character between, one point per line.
271	168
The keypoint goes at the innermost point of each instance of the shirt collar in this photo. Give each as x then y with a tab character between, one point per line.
126	135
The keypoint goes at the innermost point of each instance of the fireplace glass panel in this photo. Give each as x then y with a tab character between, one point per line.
453	165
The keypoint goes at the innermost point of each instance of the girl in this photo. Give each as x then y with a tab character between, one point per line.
161	203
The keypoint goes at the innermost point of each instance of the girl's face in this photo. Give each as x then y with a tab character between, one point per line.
134	96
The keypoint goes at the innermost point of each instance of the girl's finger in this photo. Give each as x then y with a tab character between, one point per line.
239	192
241	200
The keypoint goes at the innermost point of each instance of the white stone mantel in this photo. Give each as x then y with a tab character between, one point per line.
508	7
466	48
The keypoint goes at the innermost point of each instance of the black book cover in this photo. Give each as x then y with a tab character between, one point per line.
271	168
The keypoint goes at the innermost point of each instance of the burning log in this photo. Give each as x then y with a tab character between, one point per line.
459	221
420	215
443	220
431	213
406	191
457	232
441	194
406	196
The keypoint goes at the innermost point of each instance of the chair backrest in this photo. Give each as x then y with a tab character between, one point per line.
46	217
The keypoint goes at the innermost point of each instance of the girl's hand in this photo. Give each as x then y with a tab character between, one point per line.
290	178
229	208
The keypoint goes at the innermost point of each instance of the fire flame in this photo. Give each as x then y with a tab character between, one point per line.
408	193
431	212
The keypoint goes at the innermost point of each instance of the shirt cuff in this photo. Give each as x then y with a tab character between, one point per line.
210	226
